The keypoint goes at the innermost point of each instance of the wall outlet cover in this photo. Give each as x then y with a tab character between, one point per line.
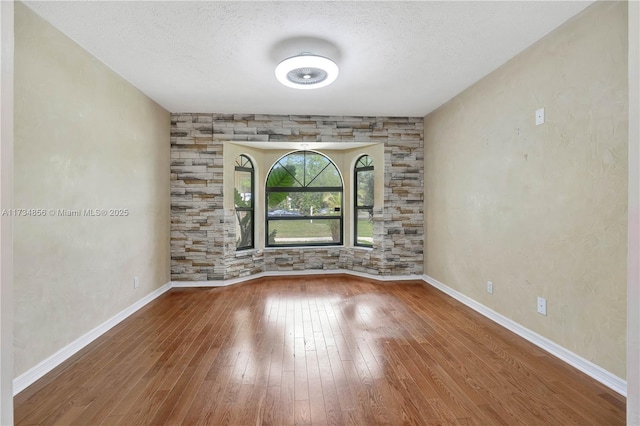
539	116
542	306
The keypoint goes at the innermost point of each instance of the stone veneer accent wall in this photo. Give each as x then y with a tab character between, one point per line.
203	232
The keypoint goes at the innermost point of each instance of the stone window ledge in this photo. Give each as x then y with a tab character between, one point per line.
247	253
303	248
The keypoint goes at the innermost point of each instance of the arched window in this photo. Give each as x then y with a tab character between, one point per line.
363	201
243	196
303	201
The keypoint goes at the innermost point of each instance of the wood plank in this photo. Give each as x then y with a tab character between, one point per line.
314	350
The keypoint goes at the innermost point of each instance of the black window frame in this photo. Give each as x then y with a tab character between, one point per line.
320	189
357	208
241	167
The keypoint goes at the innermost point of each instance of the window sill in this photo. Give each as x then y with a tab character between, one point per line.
302	247
247	252
363	248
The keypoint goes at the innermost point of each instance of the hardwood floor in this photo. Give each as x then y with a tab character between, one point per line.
314	350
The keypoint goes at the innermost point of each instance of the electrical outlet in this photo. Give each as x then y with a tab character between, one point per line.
136	282
489	287
539	116
542	306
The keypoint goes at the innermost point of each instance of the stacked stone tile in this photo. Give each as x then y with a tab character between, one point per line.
203	233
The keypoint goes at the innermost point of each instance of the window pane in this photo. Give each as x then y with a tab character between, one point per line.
242	193
301	169
364	161
364	189
364	227
244	229
315	163
304	203
281	177
294	163
279	204
243	161
303	231
327	177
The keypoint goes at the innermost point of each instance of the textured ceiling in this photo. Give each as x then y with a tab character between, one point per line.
395	58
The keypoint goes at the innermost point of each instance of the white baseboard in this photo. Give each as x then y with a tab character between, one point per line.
24	380
223	283
598	373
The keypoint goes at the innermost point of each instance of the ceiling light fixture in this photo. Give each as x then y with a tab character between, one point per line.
307	71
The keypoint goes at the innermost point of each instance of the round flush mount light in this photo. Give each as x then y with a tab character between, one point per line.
307	71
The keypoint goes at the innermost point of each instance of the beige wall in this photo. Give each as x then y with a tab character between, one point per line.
84	139
6	222
633	287
540	210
